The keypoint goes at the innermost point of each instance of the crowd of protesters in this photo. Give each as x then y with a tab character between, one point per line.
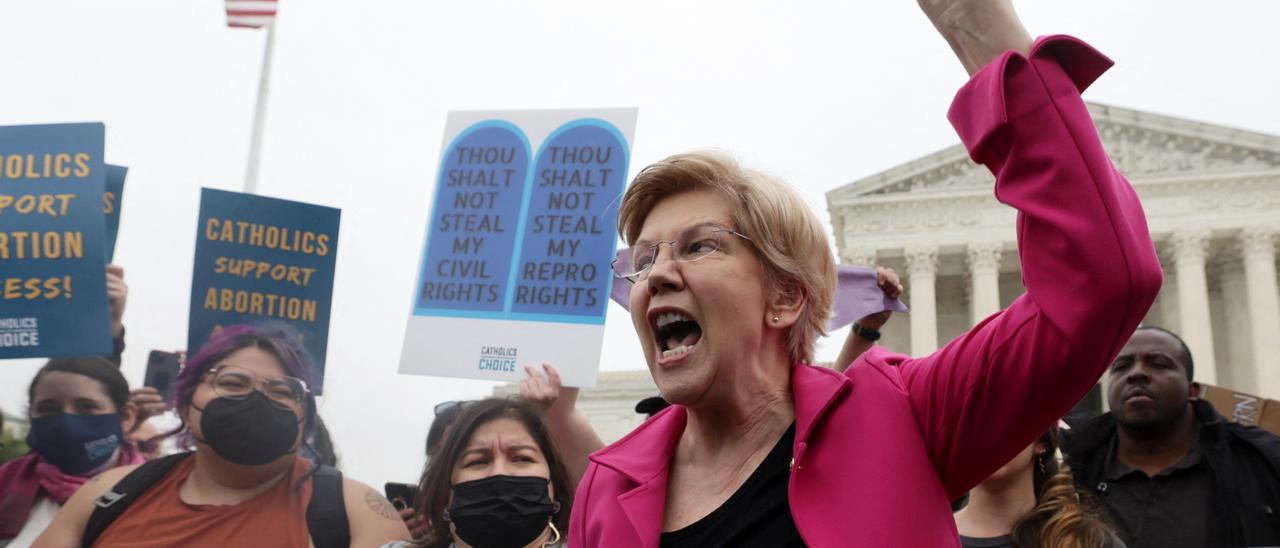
748	445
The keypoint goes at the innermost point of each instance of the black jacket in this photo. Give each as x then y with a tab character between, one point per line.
1243	460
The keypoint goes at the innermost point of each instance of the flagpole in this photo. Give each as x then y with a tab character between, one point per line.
260	114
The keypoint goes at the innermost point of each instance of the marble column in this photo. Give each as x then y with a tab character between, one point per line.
1259	255
922	274
1235	306
984	280
1195	327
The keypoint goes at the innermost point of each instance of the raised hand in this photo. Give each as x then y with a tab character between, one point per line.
117	297
149	404
543	391
978	31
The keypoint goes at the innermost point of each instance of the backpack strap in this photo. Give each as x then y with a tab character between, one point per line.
109	506
327	510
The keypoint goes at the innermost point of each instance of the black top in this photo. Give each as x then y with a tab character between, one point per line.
1002	541
1171	509
757	514
1241	462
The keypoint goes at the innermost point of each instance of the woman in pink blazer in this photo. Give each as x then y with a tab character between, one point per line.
733	282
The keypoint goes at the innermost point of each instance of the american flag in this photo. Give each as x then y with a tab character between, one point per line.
250	13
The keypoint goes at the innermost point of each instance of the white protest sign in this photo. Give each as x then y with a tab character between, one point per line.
515	267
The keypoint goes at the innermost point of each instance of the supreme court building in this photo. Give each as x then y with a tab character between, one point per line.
1212	197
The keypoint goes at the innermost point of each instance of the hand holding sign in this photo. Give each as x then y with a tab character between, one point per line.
117	297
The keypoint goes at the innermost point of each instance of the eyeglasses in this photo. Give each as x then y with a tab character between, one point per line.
449	405
694	245
287	393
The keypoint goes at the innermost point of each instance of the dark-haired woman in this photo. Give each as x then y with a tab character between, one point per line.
245	401
497	481
80	411
1031	502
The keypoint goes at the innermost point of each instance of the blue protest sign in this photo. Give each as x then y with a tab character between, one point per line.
262	259
482	181
569	236
111	200
53	289
516	259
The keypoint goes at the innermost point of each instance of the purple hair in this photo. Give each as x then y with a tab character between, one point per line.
277	339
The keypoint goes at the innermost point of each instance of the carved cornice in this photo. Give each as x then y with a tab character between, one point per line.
1141	144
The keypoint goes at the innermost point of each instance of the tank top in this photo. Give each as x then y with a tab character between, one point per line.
276	517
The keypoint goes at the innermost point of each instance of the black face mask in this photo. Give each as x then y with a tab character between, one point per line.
248	431
501	511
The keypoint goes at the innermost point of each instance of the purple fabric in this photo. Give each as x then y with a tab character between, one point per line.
857	294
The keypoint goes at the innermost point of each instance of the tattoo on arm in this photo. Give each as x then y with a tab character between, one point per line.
379	505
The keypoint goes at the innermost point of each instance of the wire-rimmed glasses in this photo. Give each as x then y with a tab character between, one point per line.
287	393
694	244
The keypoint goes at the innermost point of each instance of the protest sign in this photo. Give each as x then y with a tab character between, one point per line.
1246	409
53	288
518	246
262	260
111	199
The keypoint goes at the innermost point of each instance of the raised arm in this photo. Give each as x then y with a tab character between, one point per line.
572	432
1088	262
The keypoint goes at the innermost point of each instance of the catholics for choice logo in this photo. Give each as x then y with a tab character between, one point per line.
19	332
498	358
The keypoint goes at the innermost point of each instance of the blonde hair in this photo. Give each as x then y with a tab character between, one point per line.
787	236
1063	517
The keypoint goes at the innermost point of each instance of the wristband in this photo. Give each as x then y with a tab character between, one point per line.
866	332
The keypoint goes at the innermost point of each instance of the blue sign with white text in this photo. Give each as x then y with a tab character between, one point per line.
260	260
53	289
111	200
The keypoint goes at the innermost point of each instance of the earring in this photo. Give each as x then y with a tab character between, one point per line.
555	539
1040	463
776	319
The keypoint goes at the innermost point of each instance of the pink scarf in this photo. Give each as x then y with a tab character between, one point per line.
23	479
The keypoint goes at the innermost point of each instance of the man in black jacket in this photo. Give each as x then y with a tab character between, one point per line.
1166	467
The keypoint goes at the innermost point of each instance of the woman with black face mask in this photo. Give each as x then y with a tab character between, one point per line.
80	411
246	404
496	482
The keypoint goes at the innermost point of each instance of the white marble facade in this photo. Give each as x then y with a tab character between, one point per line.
1212	196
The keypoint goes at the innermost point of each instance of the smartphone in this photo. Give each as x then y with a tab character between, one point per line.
401	495
162	369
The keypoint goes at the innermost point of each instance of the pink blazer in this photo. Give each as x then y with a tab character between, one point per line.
881	449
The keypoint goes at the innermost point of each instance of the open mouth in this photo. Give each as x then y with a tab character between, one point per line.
676	333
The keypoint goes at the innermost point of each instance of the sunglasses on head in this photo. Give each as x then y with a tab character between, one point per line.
448	405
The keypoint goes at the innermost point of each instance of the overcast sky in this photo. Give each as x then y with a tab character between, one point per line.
819	93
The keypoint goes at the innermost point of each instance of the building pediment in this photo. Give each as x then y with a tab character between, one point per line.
1141	144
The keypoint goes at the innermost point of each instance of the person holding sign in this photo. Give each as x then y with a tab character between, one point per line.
733	283
246	403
